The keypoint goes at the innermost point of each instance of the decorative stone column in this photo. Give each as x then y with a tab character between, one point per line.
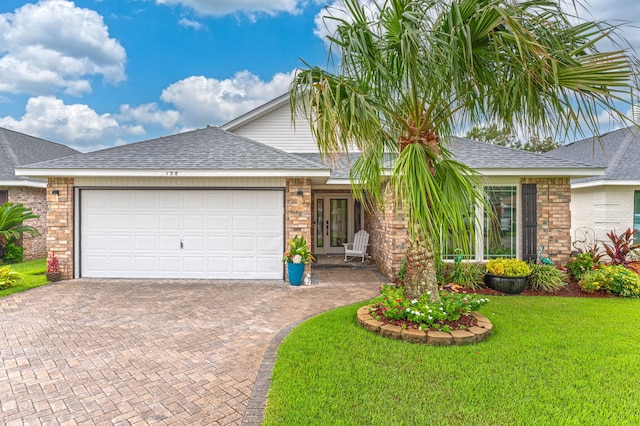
60	223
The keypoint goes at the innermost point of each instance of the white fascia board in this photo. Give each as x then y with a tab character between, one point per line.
171	173
602	182
256	113
28	183
571	173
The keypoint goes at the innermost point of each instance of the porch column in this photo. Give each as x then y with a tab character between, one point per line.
298	211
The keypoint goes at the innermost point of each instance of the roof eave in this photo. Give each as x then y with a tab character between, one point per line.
27	183
604	182
173	173
547	172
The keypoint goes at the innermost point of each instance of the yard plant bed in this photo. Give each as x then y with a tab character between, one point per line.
469	328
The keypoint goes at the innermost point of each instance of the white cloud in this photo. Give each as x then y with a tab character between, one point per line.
190	23
326	21
149	114
248	7
53	45
76	125
205	101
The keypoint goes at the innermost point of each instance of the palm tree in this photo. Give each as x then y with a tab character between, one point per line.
414	72
12	217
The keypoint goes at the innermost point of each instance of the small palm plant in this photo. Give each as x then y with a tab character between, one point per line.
12	217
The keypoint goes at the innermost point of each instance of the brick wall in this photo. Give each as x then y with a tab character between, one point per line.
34	247
298	212
60	223
554	217
387	236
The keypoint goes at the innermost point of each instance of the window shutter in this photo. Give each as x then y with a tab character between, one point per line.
529	222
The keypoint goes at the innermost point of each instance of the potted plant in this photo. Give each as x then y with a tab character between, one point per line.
53	269
296	259
507	275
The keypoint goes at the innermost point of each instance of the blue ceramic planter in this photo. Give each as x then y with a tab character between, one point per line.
296	272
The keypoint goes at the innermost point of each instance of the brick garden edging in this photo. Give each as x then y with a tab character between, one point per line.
472	335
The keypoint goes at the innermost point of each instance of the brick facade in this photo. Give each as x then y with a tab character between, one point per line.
34	247
388	232
60	222
298	211
387	236
554	217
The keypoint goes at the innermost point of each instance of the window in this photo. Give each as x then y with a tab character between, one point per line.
500	231
4	196
499	234
636	213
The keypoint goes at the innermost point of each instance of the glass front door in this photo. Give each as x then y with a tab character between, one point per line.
333	217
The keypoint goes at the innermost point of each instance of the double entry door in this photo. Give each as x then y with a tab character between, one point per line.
337	218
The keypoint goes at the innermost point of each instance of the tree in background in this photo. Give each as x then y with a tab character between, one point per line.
412	73
493	135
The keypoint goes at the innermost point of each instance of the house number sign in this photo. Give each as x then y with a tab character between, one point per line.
171	173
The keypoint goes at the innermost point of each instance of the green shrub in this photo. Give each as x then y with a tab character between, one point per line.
467	275
508	267
13	253
8	277
579	266
546	278
613	279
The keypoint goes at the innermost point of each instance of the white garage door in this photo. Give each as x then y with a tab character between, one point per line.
236	234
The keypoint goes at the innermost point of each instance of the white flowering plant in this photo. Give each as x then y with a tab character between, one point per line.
423	314
298	251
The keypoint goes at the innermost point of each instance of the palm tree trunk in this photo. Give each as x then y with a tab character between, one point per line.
421	270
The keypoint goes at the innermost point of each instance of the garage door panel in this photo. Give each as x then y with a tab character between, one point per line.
243	222
196	222
100	221
120	242
145	221
220	243
169	222
225	233
144	266
95	242
219	222
144	242
120	263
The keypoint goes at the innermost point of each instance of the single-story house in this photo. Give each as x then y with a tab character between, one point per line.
17	149
600	204
222	202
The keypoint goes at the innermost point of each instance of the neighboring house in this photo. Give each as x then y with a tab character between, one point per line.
17	149
611	201
222	202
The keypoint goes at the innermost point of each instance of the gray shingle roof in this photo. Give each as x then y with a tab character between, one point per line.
18	149
477	155
210	148
481	155
618	151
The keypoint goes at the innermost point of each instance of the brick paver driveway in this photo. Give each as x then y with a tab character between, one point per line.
141	352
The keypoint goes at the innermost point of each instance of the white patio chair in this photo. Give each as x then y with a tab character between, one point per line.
358	247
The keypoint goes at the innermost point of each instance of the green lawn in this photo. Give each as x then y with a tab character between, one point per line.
32	276
550	361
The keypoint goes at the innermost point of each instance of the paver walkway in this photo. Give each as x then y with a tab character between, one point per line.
130	352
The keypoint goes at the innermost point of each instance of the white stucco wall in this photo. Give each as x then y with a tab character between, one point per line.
602	208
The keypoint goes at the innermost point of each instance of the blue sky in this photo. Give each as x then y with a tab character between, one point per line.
97	73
